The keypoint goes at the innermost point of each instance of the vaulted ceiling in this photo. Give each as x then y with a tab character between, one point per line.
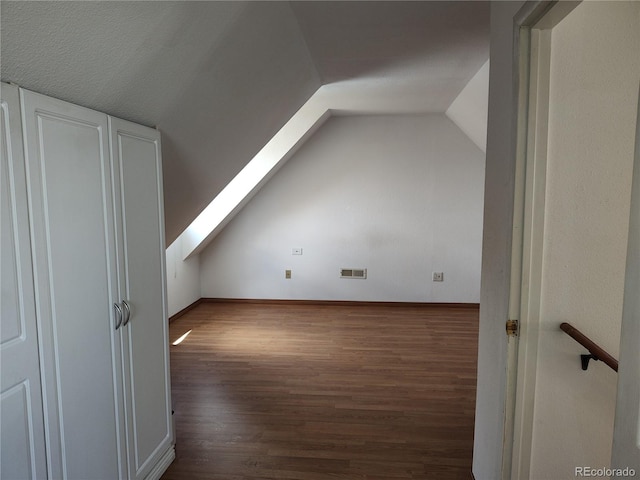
219	79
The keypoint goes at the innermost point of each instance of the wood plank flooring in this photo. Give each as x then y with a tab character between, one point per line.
308	392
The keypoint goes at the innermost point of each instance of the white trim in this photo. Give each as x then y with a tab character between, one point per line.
162	464
515	276
533	60
533	233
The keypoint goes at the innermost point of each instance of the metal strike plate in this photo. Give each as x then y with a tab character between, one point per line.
512	328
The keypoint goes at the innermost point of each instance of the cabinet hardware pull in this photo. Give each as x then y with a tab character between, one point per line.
127	312
119	315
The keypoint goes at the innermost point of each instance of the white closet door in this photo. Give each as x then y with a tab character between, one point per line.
22	446
71	206
137	161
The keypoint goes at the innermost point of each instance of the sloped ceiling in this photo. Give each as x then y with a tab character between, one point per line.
408	56
221	78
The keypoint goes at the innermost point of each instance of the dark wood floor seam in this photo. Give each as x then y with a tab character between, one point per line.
185	310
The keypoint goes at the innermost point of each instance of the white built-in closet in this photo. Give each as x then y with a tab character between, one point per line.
85	388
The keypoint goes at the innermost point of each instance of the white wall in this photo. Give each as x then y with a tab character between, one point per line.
496	247
469	110
398	195
183	278
595	69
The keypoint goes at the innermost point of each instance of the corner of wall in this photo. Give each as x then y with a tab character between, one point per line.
469	110
183	278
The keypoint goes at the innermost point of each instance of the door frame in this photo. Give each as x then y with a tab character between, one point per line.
626	431
532	51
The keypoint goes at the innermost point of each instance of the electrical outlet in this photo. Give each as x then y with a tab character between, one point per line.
287	274
438	276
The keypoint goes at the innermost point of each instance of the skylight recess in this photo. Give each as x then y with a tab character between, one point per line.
303	124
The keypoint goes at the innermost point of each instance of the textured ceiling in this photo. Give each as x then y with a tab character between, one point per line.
220	78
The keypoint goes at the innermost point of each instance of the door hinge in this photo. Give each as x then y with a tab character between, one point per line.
512	328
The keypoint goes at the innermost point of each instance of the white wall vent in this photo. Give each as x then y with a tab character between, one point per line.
353	273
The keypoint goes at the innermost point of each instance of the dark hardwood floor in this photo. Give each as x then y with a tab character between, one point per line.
316	392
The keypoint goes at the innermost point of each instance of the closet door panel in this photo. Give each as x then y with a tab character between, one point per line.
72	223
22	444
137	155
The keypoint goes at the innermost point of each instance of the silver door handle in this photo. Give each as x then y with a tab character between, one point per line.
118	315
127	312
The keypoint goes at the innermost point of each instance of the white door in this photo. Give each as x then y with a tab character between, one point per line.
22	443
71	208
626	435
137	165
